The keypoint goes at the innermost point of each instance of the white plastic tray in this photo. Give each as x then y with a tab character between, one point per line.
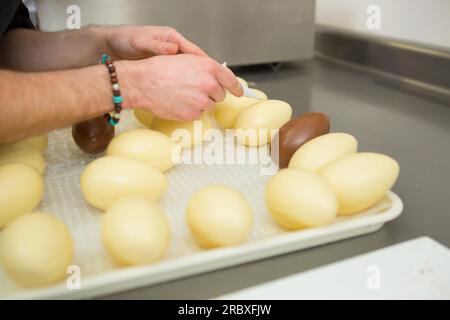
100	276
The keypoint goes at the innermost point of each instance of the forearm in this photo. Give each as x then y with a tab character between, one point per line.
33	103
29	50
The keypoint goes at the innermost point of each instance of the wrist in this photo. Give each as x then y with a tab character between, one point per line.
128	75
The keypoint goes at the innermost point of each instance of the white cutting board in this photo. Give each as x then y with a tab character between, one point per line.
416	269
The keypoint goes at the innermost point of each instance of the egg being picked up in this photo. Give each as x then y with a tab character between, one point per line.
242	81
360	180
228	110
260	94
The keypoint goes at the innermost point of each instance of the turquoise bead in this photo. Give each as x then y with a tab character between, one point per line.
112	121
117	99
105	57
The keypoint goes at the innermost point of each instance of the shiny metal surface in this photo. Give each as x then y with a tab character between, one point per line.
237	31
413	64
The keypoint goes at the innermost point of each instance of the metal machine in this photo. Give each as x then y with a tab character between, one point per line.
240	32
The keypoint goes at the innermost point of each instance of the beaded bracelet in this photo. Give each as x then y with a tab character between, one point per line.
113	117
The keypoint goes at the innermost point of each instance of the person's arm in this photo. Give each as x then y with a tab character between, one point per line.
30	50
34	103
174	87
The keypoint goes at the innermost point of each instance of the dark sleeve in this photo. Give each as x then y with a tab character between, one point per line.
21	19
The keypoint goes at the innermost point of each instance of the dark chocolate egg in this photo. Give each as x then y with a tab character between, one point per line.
93	135
295	133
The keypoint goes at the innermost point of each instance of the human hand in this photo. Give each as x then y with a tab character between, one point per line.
140	42
178	87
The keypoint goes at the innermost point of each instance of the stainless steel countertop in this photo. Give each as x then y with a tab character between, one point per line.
412	128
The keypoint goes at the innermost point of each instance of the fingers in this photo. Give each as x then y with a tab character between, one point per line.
185	113
160	41
142	46
204	103
165	48
145	47
229	81
216	92
185	46
189	114
191	108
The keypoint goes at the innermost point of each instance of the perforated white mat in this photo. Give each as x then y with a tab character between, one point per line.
99	275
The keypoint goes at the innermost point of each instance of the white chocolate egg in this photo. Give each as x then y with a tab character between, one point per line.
143	116
17	152
360	180
135	231
257	124
187	133
109	178
21	190
299	199
152	147
36	249
219	216
39	142
228	110
323	150
242	81
260	94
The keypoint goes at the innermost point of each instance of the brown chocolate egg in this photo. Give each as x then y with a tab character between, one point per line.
296	132
93	135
